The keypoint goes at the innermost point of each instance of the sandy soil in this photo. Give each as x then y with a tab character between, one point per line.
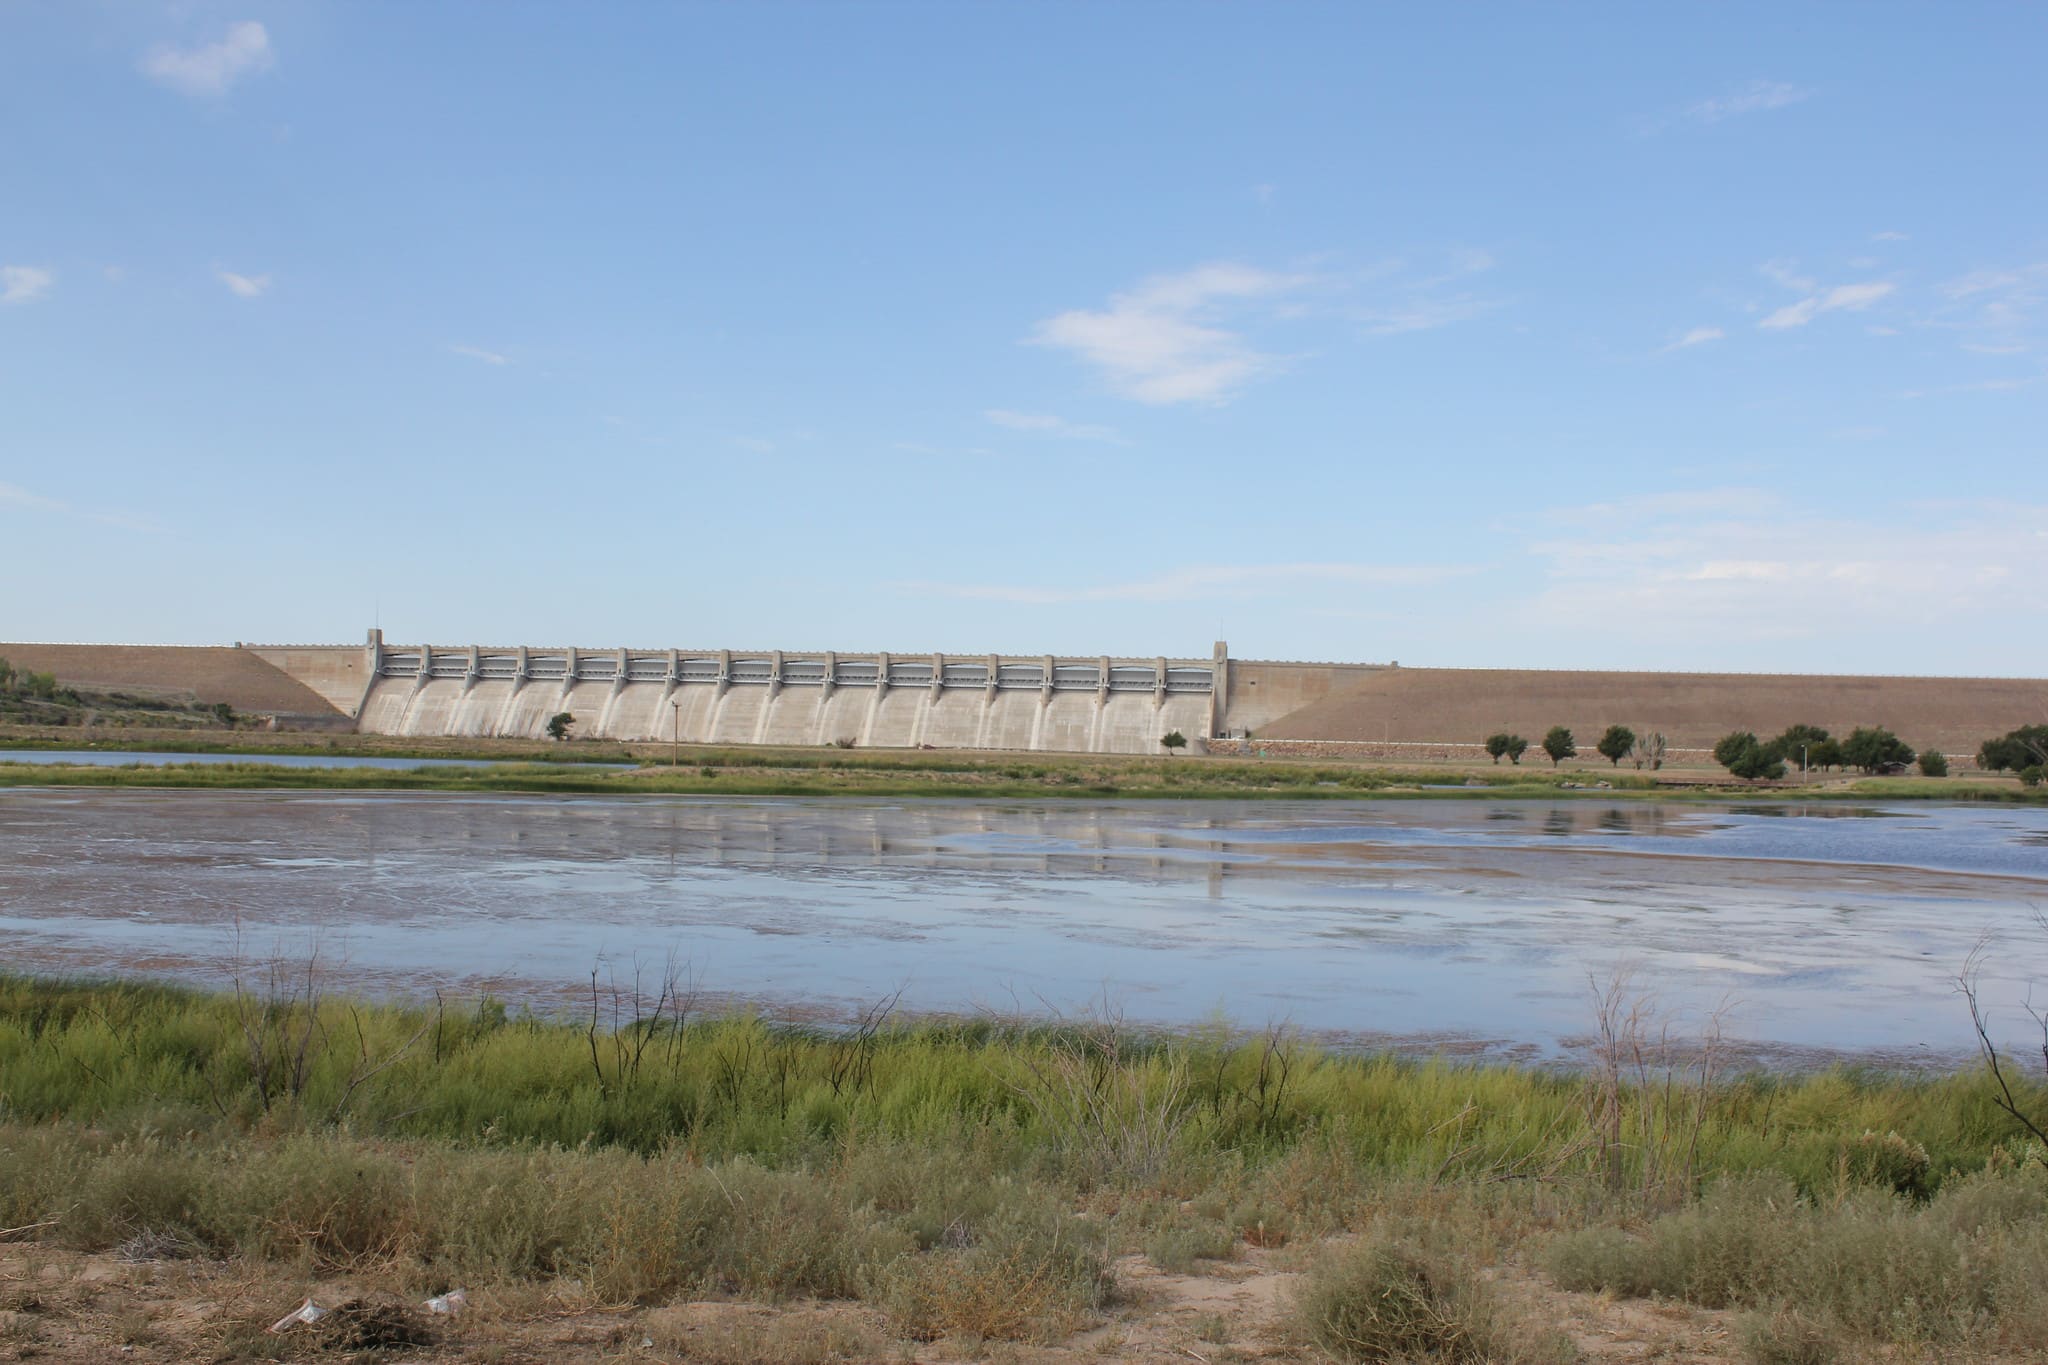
65	1307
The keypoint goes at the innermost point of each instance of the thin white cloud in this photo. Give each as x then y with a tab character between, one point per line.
1755	98
478	353
1182	338
1161	343
1205	582
1420	302
20	283
1698	336
244	286
1841	298
13	495
1690	502
1793	574
2006	384
2003	310
1787	273
1046	424
211	69
1890	237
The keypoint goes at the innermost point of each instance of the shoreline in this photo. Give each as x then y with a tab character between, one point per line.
771	775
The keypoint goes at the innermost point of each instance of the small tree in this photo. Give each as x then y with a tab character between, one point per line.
1616	744
1824	755
1875	749
1496	745
1650	749
1517	746
224	713
1173	739
2016	749
1795	740
1933	763
1742	755
1557	742
6	675
2033	775
559	725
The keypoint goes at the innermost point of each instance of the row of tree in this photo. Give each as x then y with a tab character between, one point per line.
1617	743
1871	748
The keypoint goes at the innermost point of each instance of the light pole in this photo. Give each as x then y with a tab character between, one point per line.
1802	760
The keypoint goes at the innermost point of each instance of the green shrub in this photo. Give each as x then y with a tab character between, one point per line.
1786	1337
1177	1246
1933	764
1969	1267
1887	1161
2033	774
1028	1274
1387	1300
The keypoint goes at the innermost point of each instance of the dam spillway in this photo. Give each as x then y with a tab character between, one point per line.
1042	703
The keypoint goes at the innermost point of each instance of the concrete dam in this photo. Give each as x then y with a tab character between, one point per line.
1034	703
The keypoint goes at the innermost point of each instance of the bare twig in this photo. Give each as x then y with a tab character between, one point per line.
2007	1103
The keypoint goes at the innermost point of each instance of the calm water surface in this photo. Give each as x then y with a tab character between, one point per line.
1445	923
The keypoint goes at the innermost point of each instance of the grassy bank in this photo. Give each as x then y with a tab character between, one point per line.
733	772
983	1181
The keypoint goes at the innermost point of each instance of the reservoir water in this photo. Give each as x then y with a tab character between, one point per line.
1469	926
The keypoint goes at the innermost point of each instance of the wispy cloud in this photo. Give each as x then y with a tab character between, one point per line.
1205	582
1163	343
1183	338
20	283
211	69
1791	573
1689	502
2003	384
1757	97
1045	424
244	286
1698	336
1890	237
1407	298
13	495
2002	309
478	353
1819	299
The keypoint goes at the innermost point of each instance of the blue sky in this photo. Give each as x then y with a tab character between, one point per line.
1709	336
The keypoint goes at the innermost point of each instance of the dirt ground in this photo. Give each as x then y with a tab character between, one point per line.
60	1306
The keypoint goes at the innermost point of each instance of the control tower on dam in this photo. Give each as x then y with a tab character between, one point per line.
1045	703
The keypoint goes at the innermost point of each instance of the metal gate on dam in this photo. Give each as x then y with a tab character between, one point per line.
1047	703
